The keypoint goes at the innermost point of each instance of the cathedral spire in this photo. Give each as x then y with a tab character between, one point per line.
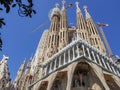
86	12
20	73
27	71
63	19
63	34
4	74
53	32
4	60
21	69
63	4
93	33
77	6
81	25
54	16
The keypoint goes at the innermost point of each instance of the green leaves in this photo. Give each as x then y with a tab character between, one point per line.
30	1
7	8
25	10
14	5
34	11
6	4
2	22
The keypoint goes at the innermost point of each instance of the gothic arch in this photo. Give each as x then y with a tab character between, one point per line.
60	81
79	75
84	78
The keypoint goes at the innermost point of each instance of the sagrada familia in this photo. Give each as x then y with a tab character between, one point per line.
67	58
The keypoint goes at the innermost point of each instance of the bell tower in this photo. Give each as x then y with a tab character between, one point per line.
93	33
63	33
81	24
52	43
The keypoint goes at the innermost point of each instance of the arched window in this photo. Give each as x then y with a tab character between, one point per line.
96	40
52	38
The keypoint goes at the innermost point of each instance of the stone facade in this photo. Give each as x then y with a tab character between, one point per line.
69	58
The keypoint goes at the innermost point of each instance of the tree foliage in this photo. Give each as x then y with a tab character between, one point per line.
25	9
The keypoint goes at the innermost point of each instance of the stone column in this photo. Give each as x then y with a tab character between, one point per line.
73	52
64	62
69	55
45	70
51	66
99	60
94	57
88	53
113	69
104	62
55	64
70	74
78	54
59	61
109	66
83	48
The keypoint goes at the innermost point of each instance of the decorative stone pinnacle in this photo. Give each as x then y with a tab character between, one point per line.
56	5
87	14
85	8
63	3
4	60
77	3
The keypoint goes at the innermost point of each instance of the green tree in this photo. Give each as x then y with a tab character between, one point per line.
24	10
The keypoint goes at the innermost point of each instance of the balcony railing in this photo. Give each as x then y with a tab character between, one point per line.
75	51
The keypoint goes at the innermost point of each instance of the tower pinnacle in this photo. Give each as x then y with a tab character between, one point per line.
57	5
53	35
77	5
95	39
63	33
63	4
54	11
86	12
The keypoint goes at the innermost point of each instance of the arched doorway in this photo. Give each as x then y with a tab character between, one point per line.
60	81
80	77
84	78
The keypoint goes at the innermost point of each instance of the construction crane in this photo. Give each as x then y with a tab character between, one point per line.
41	25
110	54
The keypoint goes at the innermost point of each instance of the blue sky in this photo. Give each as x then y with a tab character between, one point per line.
19	42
